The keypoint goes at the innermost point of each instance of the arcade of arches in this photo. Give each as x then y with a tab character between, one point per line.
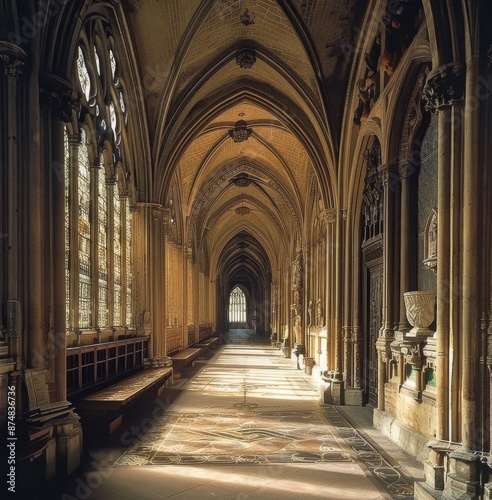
173	168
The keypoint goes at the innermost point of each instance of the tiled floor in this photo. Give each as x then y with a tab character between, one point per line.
248	394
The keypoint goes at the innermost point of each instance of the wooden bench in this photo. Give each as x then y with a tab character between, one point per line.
184	358
115	398
206	344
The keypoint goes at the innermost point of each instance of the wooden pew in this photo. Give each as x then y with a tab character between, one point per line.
184	358
206	344
111	401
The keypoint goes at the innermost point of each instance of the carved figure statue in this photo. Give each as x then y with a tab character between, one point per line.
319	313
298	328
367	93
433	239
401	27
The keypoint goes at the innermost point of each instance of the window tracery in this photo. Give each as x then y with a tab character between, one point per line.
101	263
237	306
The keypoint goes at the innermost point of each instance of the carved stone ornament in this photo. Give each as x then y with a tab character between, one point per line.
12	58
329	215
430	242
445	86
57	93
240	132
242	181
420	312
246	58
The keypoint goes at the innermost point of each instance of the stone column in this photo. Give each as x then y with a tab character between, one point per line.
470	319
157	254
143	263
404	170
13	58
337	290
59	109
444	88
386	332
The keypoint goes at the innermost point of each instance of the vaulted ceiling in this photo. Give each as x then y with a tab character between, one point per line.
276	69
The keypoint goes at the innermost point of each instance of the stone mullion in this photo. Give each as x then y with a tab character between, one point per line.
124	213
110	187
95	171
73	144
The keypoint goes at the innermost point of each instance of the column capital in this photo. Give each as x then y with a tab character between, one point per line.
445	87
57	93
329	215
12	58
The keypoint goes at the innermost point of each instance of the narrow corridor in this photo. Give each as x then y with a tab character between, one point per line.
243	423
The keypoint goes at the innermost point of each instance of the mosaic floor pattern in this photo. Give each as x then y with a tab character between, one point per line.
388	475
256	437
246	405
250	406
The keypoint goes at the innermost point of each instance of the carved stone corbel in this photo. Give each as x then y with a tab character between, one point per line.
445	86
12	59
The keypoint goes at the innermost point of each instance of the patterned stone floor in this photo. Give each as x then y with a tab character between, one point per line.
242	424
247	405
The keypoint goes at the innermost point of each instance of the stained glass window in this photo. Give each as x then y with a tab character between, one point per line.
112	60
96	212
114	121
66	160
237	306
122	103
84	78
128	231
103	248
117	257
84	196
98	64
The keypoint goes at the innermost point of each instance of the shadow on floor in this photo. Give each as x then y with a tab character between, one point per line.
245	337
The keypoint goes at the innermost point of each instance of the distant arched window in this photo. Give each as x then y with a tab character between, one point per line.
237	306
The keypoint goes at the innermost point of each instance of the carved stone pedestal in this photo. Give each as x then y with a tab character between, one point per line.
462	480
298	350
69	444
331	390
308	365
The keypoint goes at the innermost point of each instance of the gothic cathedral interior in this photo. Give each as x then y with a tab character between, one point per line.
316	171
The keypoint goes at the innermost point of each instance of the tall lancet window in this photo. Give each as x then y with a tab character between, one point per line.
102	240
128	261
84	226
67	226
237	306
98	194
117	257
